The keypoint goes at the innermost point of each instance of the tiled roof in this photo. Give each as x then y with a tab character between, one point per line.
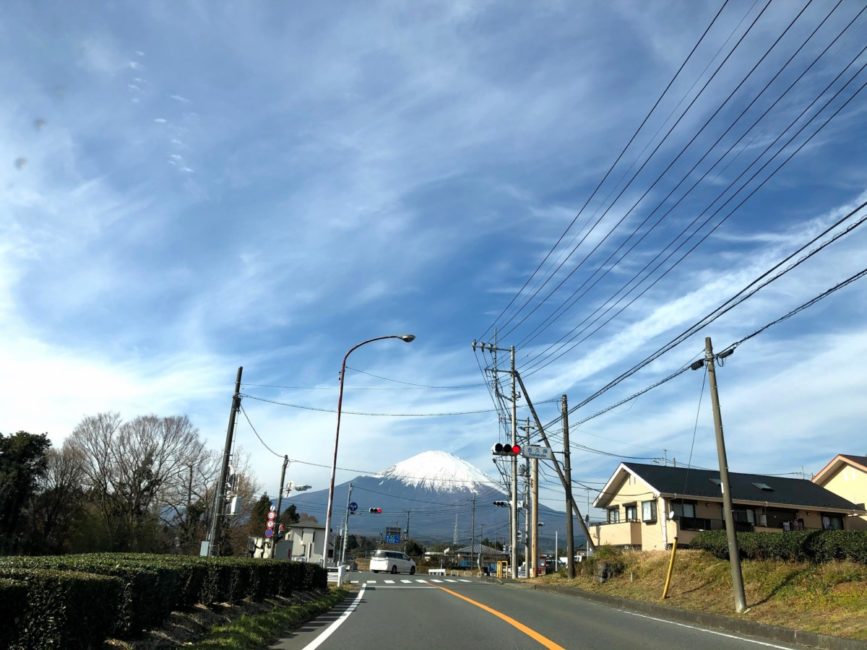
744	487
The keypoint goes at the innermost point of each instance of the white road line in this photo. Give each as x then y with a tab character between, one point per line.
464	580
355	582
318	641
371	582
450	580
389	582
405	581
701	629
421	580
435	580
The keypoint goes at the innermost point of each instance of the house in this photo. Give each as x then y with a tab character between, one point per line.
846	475
303	542
648	506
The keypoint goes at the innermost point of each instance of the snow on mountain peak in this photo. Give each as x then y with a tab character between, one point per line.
437	470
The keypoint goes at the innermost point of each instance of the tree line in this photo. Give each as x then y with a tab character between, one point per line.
142	485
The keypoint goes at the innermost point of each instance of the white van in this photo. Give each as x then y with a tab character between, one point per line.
392	562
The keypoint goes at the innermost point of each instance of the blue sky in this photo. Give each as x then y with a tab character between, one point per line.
186	188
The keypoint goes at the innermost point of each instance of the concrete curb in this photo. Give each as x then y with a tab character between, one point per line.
715	621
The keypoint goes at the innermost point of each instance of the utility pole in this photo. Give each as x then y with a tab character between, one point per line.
514	495
734	554
525	472
215	533
567	469
346	525
473	533
534	543
406	532
573	505
279	502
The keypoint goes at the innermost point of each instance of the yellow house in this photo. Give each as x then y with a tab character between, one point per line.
846	475
648	506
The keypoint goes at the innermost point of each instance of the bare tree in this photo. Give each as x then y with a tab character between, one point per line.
135	471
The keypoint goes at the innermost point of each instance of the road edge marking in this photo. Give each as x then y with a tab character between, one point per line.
331	629
543	640
707	631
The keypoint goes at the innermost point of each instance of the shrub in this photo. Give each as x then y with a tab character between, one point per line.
65	609
13	601
799	546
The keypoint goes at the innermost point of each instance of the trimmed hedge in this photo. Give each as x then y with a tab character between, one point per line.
64	609
13	602
798	546
149	587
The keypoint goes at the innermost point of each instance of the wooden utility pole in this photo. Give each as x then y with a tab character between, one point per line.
214	536
731	534
567	469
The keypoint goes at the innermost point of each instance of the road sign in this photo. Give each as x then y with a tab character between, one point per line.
272	515
270	524
269	533
392	539
537	451
353	506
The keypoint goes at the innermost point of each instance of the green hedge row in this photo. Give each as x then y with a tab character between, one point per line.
145	589
800	546
13	601
63	609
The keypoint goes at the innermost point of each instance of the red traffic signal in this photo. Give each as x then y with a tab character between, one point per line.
376	511
501	449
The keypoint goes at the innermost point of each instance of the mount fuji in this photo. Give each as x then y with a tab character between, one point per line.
432	494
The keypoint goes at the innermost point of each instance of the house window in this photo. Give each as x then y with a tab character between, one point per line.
832	522
613	515
684	510
648	510
631	512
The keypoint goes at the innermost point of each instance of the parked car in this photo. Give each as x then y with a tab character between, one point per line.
392	562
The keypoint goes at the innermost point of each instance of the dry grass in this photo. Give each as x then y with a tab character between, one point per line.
825	598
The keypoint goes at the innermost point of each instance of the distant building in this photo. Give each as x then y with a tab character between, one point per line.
846	475
648	506
303	542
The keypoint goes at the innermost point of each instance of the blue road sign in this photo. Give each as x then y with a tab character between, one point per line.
392	539
269	532
353	506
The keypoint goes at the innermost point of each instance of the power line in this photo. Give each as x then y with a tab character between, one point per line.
409	383
575	296
607	173
647	160
345	412
537	367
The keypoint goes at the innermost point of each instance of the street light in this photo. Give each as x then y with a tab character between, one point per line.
406	338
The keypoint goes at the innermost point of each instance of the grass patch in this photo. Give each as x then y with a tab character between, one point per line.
828	598
250	632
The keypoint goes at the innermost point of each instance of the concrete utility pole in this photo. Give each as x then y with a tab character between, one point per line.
346	525
514	496
473	533
279	502
406	532
534	524
525	472
220	496
567	469
562	478
734	553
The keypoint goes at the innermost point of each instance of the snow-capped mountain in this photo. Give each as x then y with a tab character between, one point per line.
433	492
439	471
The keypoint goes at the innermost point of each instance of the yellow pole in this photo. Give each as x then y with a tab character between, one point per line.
670	569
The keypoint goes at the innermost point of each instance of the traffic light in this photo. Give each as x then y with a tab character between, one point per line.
501	449
376	511
501	504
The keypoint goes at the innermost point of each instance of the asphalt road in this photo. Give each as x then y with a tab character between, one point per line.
420	612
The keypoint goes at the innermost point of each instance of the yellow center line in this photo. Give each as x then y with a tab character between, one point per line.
545	641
